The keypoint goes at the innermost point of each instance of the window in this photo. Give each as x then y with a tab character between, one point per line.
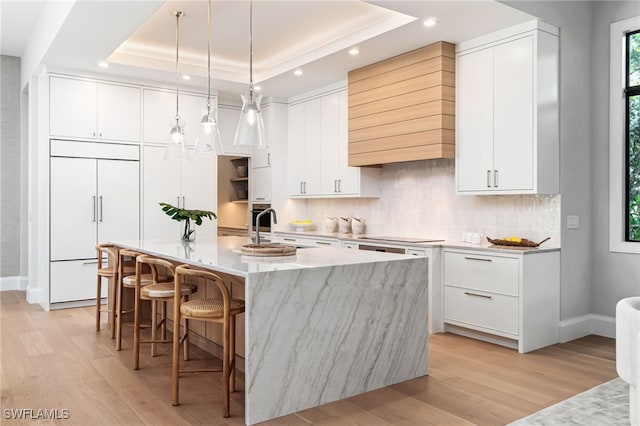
632	130
624	137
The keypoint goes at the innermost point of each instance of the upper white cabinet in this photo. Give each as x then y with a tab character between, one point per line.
507	134
317	160
87	109
228	118
160	114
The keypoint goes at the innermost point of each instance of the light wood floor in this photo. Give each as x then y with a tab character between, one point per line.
56	360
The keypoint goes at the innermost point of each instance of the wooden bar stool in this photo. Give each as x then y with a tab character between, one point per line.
109	271
221	310
127	279
160	291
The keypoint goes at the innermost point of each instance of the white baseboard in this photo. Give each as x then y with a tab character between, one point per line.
13	283
584	325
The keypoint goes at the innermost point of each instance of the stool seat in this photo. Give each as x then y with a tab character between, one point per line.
166	290
210	308
145	279
111	271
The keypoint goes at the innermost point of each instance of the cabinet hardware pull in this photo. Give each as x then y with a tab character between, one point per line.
260	198
100	198
305	187
178	198
93	262
488	178
94	134
339	185
268	158
94	208
495	178
289	239
183	203
323	243
301	187
477	295
478	258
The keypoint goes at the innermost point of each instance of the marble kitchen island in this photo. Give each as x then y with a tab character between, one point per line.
320	326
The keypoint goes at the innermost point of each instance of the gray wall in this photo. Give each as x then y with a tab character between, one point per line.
10	171
614	275
574	20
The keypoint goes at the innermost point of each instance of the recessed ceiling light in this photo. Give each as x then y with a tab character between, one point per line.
103	64
430	21
354	51
298	72
186	77
257	88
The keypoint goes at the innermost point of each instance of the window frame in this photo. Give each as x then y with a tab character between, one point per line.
629	91
618	117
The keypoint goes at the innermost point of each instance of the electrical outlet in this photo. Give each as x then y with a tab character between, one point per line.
573	222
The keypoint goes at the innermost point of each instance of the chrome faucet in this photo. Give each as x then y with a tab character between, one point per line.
275	220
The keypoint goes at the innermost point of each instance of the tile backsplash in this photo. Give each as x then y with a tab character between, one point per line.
418	199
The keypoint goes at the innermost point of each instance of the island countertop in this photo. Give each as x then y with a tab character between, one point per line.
223	254
320	326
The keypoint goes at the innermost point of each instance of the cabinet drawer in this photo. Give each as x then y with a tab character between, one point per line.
494	312
482	272
74	280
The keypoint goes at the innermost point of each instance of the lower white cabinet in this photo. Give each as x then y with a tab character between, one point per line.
513	297
74	280
191	185
261	185
93	199
305	241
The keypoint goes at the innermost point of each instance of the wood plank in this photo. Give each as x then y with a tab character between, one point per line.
423	152
415	125
418	55
428	137
401	114
434	79
442	93
439	63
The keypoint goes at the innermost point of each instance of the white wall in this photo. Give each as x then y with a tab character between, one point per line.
614	275
574	20
418	199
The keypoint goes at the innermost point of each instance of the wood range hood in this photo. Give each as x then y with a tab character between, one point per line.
403	108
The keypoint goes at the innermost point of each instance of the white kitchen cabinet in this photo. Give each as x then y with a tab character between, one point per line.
318	151
305	241
228	118
261	157
515	298
88	109
260	179
507	134
190	185
160	114
92	201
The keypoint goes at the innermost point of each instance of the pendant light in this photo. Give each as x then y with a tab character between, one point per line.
209	135
250	132
175	148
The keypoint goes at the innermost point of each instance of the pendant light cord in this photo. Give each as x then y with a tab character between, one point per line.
178	15
251	49
209	61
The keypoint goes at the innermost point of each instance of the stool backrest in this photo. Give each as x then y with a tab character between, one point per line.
183	271
153	263
111	252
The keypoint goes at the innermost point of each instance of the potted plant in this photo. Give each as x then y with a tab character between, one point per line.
187	216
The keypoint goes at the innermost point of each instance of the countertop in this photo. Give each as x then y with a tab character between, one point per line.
223	254
485	246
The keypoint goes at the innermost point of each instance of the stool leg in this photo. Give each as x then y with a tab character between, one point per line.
112	301
118	309
232	354
185	347
154	326
175	372
98	300
225	367
136	321
164	320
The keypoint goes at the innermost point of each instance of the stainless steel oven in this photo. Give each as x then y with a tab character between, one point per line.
265	220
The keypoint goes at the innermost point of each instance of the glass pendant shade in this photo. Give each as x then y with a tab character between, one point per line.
176	149
209	136
250	132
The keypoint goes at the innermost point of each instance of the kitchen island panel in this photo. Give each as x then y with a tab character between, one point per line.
324	334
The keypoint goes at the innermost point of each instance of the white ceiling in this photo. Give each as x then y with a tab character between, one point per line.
138	37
